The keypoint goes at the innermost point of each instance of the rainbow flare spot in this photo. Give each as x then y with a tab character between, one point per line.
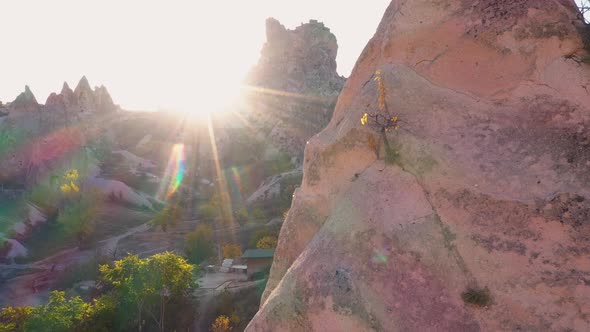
174	171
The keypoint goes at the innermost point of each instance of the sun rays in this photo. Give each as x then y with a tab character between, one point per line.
174	173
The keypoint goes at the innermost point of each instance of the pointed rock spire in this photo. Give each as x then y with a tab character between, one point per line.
83	86
25	101
66	89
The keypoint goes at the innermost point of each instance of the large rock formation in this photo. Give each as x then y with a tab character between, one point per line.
295	83
301	61
481	218
38	137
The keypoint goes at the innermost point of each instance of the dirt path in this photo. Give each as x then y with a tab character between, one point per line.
109	245
30	288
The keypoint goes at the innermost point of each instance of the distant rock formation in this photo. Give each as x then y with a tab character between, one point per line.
25	102
294	86
299	61
43	138
82	100
476	216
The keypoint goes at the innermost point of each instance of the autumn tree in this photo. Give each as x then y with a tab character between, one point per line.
267	242
261	233
221	324
232	251
168	217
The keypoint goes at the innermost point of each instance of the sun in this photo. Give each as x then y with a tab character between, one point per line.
214	97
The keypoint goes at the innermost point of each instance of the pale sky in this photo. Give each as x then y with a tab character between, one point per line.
159	54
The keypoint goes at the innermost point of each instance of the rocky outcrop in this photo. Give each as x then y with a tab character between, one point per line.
476	215
294	86
301	61
25	102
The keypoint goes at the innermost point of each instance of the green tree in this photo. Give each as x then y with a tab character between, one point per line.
200	244
172	277
242	216
78	217
149	284
129	278
208	212
168	217
14	318
60	314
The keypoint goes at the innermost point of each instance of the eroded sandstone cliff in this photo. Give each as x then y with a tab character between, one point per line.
294	87
482	219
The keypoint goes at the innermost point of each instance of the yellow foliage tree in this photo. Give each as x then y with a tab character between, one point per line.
232	251
221	324
382	119
267	242
69	182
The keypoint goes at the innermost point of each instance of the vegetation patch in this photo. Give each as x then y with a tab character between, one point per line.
480	297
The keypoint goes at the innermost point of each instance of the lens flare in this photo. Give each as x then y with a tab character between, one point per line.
174	172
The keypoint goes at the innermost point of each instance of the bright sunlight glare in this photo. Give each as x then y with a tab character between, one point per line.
188	56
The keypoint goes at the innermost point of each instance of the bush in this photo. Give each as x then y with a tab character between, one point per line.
480	297
221	324
258	215
242	216
208	212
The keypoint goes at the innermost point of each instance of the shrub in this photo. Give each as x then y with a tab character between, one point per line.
383	119
221	324
480	297
258	215
242	216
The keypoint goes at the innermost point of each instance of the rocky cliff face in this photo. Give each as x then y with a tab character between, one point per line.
294	86
301	61
480	218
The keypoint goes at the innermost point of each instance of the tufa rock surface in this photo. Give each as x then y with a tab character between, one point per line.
294	86
482	221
